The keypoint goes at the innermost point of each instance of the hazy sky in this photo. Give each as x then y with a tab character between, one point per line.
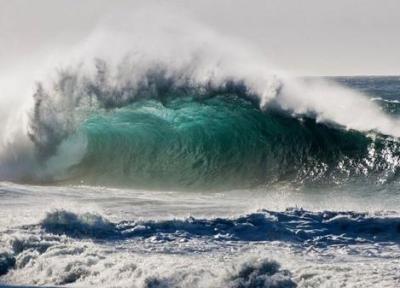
341	37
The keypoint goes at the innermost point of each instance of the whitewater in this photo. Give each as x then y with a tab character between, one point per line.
179	157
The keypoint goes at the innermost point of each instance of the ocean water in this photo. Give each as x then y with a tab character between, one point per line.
168	181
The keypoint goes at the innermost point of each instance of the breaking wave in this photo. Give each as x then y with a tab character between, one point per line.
189	116
293	225
168	132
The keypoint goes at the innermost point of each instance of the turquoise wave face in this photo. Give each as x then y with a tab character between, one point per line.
178	142
220	142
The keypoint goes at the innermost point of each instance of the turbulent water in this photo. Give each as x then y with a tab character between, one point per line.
168	133
172	183
156	152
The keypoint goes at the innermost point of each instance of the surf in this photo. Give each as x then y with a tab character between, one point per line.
171	134
201	117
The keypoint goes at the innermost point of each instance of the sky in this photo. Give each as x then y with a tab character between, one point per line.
308	37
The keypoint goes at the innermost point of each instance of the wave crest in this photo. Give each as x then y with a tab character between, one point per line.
164	128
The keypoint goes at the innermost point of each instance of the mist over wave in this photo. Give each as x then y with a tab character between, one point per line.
132	104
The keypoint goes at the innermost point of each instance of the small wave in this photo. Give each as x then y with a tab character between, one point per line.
262	273
293	225
385	100
254	273
78	225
